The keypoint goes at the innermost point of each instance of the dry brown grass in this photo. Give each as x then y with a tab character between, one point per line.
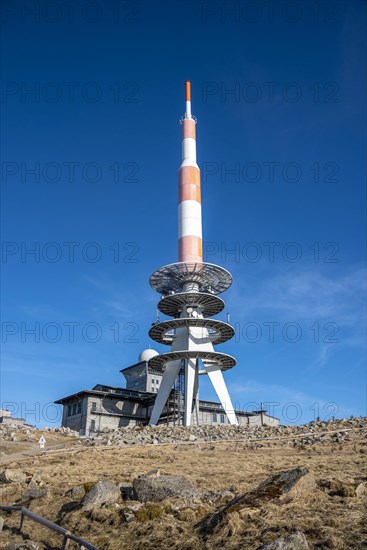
331	516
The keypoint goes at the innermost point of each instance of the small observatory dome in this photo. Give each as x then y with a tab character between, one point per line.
147	354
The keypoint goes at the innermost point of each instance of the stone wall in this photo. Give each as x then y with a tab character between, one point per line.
76	422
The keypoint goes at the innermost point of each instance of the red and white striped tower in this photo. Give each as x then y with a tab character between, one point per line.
190	244
189	290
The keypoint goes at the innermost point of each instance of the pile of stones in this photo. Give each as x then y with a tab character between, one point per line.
15	433
26	432
63	431
256	435
308	434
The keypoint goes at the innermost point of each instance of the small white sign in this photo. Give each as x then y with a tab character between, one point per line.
42	442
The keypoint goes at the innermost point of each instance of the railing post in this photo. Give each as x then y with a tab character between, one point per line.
21	520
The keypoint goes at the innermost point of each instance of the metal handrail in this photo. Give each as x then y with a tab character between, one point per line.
50	525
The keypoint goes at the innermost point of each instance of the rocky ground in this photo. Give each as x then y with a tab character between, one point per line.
290	487
311	433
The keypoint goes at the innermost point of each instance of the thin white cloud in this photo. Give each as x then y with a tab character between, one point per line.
308	296
112	298
322	357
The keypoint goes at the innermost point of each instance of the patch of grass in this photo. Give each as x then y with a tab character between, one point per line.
332	517
149	512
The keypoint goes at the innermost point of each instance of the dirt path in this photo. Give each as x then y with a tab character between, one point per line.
34	450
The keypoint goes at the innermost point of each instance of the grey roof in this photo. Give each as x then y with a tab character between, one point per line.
107	390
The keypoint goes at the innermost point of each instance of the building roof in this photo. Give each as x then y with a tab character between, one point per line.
141	364
102	390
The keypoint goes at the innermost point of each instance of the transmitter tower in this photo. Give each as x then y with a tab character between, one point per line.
189	292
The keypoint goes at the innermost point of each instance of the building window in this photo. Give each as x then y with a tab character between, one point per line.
69	410
74	408
94	407
222	418
79	407
153	389
92	425
214	417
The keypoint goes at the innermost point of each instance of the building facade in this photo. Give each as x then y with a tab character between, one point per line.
90	411
7	418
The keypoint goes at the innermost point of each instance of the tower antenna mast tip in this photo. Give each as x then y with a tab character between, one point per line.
188	90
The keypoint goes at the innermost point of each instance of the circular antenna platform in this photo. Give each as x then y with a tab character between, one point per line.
208	358
210	278
207	330
173	304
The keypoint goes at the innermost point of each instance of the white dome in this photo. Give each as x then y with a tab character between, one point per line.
147	354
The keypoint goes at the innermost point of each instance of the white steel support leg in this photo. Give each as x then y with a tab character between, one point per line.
216	378
190	368
195	408
196	395
168	379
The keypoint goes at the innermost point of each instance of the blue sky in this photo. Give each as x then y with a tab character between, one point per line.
91	101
